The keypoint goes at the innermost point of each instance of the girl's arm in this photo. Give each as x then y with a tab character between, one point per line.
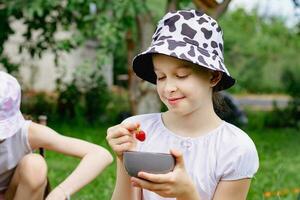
93	157
232	190
123	188
120	138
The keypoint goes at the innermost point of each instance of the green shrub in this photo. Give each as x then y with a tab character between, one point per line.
96	99
289	116
68	101
118	106
38	103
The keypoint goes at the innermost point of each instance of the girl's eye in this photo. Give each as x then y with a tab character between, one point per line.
161	78
182	76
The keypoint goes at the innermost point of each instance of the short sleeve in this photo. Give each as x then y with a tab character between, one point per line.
25	137
239	162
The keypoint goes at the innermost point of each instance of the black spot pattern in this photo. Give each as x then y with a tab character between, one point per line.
192	51
205	45
188	31
221	66
221	47
160	43
183	56
193	42
214	57
164	37
156	33
157	30
214	44
215	52
155	38
202	20
171	22
152	50
172	44
207	33
218	29
186	15
204	52
199	13
214	23
201	60
173	54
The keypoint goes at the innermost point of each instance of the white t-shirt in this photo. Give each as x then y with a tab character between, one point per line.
12	150
225	153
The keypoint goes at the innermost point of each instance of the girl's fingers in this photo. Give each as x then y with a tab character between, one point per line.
156	178
117	132
123	147
147	184
121	129
178	158
130	126
123	139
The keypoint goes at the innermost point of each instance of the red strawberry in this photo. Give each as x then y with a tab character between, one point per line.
140	135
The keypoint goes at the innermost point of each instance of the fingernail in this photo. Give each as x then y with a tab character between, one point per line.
134	184
140	174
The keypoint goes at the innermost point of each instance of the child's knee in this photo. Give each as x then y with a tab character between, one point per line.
33	171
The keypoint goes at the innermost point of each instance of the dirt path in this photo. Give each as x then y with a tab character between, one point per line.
262	102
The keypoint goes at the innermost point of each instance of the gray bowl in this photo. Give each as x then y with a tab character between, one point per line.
155	163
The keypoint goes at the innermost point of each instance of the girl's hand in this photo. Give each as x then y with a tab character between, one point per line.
175	184
56	194
121	138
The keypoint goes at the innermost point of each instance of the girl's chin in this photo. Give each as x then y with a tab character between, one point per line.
177	110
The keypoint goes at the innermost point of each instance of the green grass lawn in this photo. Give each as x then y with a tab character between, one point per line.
278	149
279	163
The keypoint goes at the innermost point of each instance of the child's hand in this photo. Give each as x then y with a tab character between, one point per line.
121	138
175	184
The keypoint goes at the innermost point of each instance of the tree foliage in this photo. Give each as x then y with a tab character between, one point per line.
105	22
257	51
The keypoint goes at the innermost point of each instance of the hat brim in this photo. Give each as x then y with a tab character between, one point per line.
10	126
143	65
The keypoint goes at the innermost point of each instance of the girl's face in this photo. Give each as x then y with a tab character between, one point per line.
182	87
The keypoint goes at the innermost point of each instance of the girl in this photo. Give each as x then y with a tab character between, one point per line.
23	174
214	159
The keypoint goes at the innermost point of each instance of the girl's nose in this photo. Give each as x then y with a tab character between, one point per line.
170	86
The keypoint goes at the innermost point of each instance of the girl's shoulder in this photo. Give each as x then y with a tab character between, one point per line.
143	118
234	137
237	154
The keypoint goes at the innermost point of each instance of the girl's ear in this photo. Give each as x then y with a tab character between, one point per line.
215	78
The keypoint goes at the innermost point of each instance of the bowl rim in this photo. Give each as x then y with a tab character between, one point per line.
146	152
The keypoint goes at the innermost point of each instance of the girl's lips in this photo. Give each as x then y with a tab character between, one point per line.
173	101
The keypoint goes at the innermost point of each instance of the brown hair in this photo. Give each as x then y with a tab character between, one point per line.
219	103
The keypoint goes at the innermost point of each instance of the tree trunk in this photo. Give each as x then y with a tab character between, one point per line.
171	5
212	7
148	101
132	79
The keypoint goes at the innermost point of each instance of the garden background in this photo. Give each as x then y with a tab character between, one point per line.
261	51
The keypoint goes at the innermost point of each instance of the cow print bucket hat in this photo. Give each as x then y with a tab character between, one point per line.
188	35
